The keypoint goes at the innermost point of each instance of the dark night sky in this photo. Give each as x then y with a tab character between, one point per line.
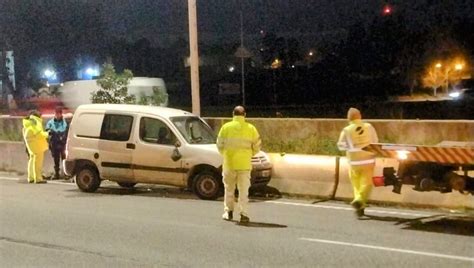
221	17
158	19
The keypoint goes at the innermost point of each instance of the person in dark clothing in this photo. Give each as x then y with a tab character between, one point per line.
57	128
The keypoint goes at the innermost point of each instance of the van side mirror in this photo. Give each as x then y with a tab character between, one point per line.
176	155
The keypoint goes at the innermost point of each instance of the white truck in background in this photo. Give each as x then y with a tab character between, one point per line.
74	93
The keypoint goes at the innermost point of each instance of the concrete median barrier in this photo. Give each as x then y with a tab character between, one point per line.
303	174
296	174
315	175
13	158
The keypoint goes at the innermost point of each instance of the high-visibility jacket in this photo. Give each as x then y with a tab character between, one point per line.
34	135
238	141
354	138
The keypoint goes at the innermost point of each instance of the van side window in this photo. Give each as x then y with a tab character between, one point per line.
155	131
116	127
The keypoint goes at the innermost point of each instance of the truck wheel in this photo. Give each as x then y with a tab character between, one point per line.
87	179
207	185
127	184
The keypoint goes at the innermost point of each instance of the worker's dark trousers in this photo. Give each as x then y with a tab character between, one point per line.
58	155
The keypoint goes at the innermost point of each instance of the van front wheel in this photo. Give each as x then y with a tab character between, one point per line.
87	179
207	185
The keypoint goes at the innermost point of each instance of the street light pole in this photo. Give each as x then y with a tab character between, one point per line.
194	57
242	58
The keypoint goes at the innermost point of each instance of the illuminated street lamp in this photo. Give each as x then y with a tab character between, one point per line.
92	71
276	64
440	74
457	68
48	73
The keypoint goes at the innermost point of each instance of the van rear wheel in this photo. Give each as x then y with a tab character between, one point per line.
127	184
87	179
207	185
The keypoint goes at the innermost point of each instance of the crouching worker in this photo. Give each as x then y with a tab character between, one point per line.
353	139
36	144
57	128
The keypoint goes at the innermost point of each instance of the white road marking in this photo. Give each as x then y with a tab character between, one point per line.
431	254
335	207
350	209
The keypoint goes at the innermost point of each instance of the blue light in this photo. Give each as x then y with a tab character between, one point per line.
92	71
89	73
50	75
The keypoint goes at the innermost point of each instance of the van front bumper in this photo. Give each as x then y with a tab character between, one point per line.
261	172
260	177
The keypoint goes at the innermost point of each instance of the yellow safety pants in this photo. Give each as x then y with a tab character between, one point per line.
361	179
35	167
241	178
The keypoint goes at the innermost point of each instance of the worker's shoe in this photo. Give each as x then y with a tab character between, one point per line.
360	213
39	182
244	219
227	216
359	210
356	204
56	176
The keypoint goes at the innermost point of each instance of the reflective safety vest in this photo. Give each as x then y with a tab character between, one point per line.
358	136
238	141
34	135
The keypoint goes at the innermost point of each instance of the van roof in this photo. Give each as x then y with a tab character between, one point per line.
142	109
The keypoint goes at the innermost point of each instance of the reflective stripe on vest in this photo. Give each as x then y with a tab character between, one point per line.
235	143
355	154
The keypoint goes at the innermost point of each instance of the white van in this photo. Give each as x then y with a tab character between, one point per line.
75	93
132	144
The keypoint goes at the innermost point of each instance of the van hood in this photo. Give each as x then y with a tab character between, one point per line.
203	153
210	148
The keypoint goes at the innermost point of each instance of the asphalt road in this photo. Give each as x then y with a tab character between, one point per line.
56	225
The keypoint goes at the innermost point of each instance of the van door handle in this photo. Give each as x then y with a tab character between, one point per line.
130	145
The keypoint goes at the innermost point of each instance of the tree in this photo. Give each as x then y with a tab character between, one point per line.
433	78
113	86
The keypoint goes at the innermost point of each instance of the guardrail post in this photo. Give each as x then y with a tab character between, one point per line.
336	177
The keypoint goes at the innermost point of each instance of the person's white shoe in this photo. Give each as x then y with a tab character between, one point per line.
227	216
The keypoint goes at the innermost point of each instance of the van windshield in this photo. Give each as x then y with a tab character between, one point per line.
194	130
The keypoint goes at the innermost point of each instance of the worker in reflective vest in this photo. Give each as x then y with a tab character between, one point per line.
36	143
353	139
237	141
